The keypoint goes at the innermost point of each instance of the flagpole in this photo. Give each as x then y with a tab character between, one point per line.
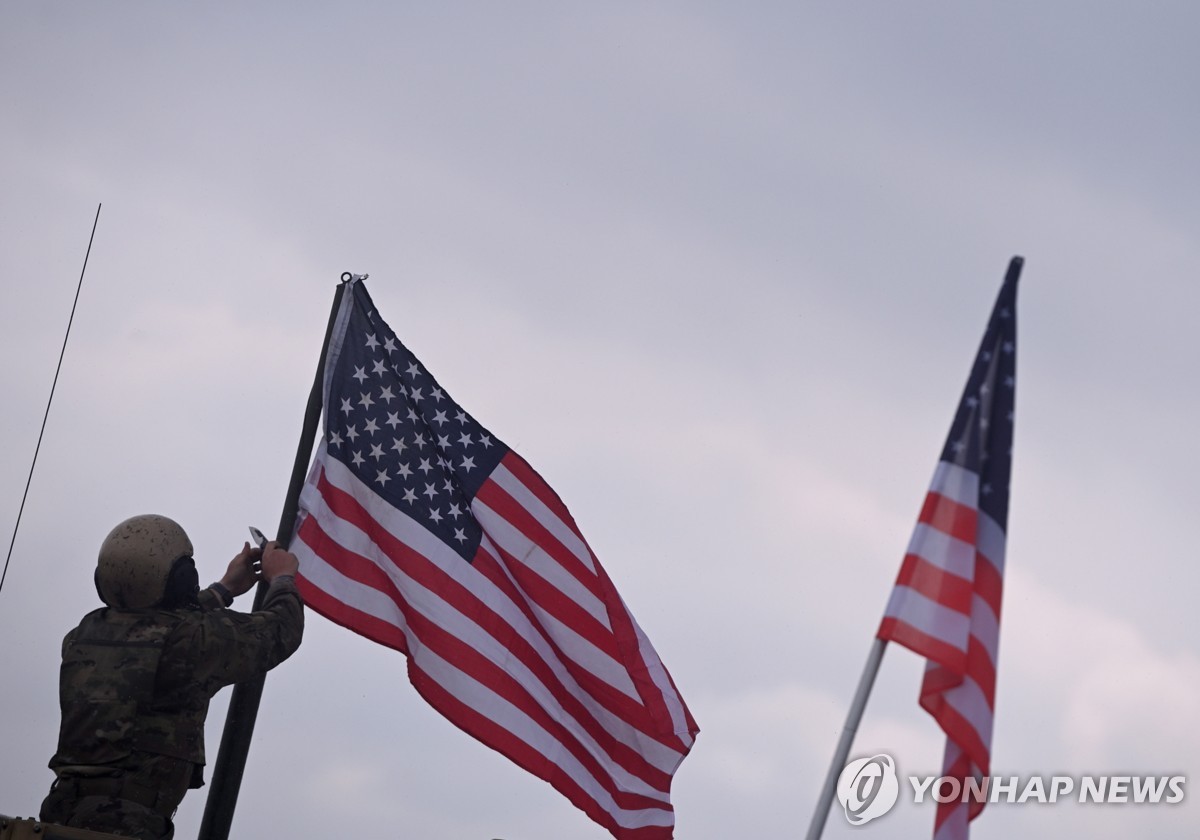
243	704
853	717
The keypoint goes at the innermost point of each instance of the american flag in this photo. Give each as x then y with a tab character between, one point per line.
946	603
421	530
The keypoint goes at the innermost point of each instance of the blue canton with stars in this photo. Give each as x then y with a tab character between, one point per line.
390	423
981	436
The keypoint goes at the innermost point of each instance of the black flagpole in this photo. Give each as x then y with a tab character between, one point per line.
243	705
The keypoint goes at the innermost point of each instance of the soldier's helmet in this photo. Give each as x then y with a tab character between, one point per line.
138	560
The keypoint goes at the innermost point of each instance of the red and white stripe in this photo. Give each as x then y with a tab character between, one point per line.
946	607
528	648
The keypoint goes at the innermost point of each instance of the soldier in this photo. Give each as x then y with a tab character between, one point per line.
137	674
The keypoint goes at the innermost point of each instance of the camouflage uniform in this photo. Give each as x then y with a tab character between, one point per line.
134	690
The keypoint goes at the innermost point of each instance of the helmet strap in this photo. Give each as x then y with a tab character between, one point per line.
183	585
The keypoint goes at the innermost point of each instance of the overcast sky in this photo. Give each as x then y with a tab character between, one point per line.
717	270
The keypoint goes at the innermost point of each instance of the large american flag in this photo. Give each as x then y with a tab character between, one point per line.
946	603
421	530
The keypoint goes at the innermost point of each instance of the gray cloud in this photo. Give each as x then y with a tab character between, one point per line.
717	274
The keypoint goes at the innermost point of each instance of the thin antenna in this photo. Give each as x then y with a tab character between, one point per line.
53	385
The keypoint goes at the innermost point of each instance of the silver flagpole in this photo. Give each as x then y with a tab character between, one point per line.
865	682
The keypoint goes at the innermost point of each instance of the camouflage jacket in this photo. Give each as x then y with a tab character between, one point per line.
135	685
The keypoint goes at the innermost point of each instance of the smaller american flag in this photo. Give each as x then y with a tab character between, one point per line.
946	602
421	530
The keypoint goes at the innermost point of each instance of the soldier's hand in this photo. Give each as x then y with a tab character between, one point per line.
277	561
239	577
